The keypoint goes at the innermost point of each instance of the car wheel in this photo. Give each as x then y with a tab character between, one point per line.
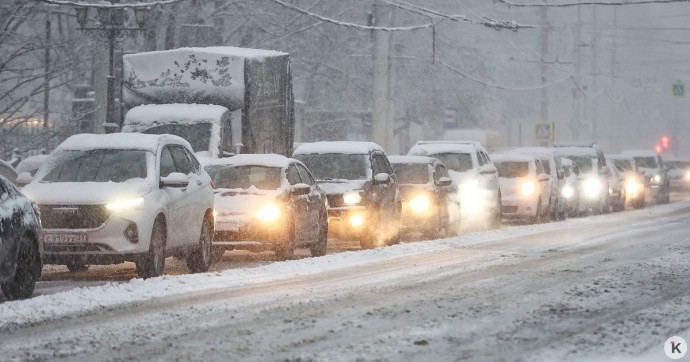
22	285
200	260
286	249
321	246
151	264
76	265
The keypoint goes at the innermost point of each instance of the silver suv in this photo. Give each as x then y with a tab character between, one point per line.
471	169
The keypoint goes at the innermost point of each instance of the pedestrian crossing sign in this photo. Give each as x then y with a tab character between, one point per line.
544	131
678	89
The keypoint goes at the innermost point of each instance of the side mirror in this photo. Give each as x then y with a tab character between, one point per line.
175	179
543	177
300	189
381	178
444	181
23	179
560	174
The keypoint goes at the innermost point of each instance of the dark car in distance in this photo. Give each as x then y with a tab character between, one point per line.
21	243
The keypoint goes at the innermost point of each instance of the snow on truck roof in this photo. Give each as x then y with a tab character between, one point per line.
136	141
351	147
428	148
180	113
226	51
247	159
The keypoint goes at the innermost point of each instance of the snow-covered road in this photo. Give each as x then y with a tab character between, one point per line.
595	288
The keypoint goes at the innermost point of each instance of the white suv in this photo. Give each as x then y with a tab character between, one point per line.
472	171
106	199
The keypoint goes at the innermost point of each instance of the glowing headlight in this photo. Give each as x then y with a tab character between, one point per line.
268	213
357	220
470	186
631	187
528	188
131	204
352	198
420	203
656	178
592	188
687	175
567	191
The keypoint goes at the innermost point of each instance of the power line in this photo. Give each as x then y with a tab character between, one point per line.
106	5
500	86
592	3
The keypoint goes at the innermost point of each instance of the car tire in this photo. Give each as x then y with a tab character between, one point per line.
321	246
28	270
76	266
200	260
152	263
497	216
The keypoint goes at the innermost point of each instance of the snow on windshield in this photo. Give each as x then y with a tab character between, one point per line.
411	173
459	162
104	165
243	177
512	169
646	162
336	166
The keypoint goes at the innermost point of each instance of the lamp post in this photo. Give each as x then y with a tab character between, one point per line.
112	22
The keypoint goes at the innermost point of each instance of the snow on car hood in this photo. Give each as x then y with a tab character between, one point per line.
510	186
22	205
88	193
243	201
335	187
461	177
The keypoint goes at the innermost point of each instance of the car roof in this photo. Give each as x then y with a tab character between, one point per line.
347	147
134	141
427	148
639	153
254	159
537	151
576	151
512	157
412	159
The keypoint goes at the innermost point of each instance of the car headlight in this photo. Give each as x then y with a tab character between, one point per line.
568	191
632	186
128	204
420	203
656	178
268	213
470	186
352	198
528	188
592	188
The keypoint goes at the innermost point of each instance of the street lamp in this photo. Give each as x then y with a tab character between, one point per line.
111	21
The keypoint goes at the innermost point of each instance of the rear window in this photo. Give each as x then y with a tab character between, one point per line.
646	162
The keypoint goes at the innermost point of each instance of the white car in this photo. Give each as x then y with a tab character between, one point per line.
571	187
472	171
655	174
525	186
552	167
106	199
594	178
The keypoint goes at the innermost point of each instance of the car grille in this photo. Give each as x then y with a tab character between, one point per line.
335	200
509	209
73	216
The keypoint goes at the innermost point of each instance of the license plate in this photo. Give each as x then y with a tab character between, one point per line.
64	238
228	226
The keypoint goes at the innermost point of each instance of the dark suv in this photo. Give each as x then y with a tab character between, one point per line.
363	197
22	244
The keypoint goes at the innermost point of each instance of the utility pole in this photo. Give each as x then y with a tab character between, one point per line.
594	73
46	75
613	118
544	55
382	130
576	121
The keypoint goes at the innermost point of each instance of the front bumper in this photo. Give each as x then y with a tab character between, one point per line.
106	244
242	232
349	221
516	207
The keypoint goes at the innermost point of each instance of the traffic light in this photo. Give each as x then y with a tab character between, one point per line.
658	149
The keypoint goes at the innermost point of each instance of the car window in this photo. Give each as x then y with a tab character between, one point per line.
167	163
546	166
195	163
304	175
481	159
440	171
293	175
376	166
182	162
540	167
459	162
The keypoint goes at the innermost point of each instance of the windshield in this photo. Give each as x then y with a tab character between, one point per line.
583	163
104	165
511	169
198	134
459	162
624	165
546	165
243	177
411	173
334	166
646	162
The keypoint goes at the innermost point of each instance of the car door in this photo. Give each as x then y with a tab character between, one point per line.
488	172
193	211
386	191
444	192
545	185
300	205
315	200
